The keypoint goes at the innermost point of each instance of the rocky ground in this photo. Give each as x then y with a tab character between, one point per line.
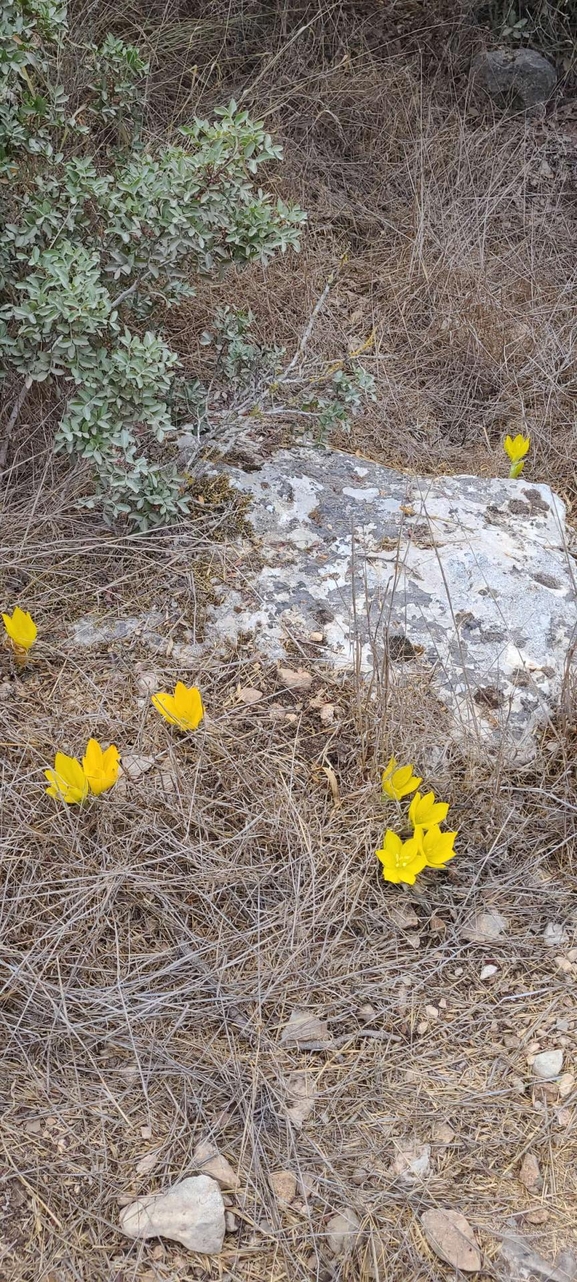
204	977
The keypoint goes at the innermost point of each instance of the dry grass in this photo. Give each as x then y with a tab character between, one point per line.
153	945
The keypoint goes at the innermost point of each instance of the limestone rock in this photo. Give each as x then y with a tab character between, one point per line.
191	1212
529	1173
548	1064
523	76
469	574
284	1186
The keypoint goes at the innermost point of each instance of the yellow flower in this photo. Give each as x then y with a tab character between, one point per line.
21	628
401	860
100	767
516	447
183	708
399	781
425	811
67	780
436	846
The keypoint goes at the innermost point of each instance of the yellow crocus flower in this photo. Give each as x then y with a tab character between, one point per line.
436	846
424	811
399	781
21	628
402	860
516	447
100	766
183	708
67	780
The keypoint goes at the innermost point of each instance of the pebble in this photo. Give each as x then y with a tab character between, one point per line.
554	934
342	1229
529	1174
298	679
230	1222
431	1012
191	1212
565	1085
442	1133
327	714
284	1186
539	1216
488	972
548	1064
211	1162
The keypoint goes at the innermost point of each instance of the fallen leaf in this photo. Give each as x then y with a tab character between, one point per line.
451	1237
333	783
412	1162
403	915
306	1030
298	679
302	1093
485	927
248	695
134	765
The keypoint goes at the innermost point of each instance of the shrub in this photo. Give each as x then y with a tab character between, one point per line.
101	232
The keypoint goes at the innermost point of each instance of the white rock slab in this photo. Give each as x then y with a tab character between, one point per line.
191	1212
469	575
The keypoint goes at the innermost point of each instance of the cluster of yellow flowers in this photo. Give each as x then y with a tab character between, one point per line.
428	847
71	780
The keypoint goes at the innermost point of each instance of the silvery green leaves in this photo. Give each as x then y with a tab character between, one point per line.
90	254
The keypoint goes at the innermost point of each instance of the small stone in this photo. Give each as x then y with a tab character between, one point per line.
412	1162
437	925
148	1162
518	1085
147	682
284	1186
342	1231
565	1085
134	765
564	1116
538	1216
422	1027
442	1133
359	1176
207	1157
230	1222
191	1212
317	637
485	927
295	679
451	1237
327	714
548	1064
488	972
563	964
529	1173
414	941
511	1041
555	935
276	712
248	695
